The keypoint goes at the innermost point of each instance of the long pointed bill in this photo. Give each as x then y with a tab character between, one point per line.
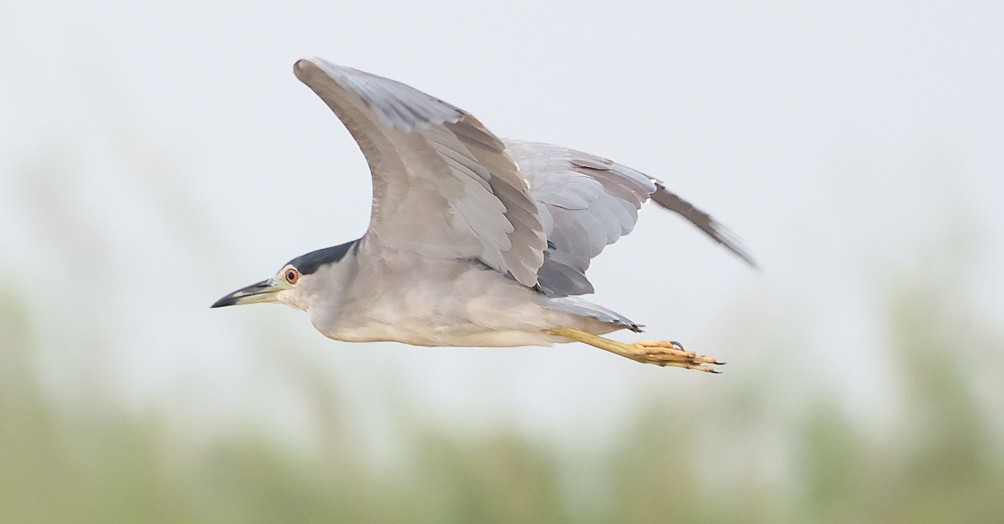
263	291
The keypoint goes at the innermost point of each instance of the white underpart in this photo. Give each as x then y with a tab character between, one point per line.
389	295
450	201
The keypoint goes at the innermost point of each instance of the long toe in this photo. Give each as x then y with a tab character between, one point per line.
664	353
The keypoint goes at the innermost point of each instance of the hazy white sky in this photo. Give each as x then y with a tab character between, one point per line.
841	141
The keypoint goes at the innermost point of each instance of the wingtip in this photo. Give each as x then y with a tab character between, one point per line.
703	221
301	65
748	259
734	244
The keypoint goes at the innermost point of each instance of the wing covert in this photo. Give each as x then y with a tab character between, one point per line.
588	202
443	184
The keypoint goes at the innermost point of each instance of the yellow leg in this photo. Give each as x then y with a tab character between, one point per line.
658	352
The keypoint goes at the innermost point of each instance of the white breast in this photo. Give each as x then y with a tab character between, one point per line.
421	301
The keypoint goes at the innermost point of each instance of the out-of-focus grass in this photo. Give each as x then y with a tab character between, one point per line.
722	459
941	462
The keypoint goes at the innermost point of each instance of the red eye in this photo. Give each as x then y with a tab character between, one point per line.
292	275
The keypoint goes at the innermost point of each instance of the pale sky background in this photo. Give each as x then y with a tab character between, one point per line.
156	156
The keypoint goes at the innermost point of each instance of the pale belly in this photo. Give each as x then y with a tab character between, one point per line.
452	305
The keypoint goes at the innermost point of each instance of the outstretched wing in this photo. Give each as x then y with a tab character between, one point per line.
443	185
702	220
588	202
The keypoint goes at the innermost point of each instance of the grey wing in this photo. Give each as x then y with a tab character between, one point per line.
443	185
588	202
703	221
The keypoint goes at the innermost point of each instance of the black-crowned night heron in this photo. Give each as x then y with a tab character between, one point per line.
473	240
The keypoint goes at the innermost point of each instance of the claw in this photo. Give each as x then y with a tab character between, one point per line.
658	352
665	353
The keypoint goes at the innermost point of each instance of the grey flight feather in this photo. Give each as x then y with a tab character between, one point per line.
443	185
703	221
588	202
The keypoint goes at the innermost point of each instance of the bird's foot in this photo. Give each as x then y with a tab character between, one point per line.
658	352
670	353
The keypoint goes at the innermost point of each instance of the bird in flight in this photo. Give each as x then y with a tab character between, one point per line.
473	240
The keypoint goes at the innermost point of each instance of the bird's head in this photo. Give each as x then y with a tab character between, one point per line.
294	284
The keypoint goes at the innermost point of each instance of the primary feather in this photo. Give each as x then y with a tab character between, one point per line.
587	203
444	186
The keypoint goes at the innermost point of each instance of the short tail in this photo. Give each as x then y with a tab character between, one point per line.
582	308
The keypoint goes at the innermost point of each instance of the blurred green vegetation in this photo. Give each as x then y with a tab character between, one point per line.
735	456
942	459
